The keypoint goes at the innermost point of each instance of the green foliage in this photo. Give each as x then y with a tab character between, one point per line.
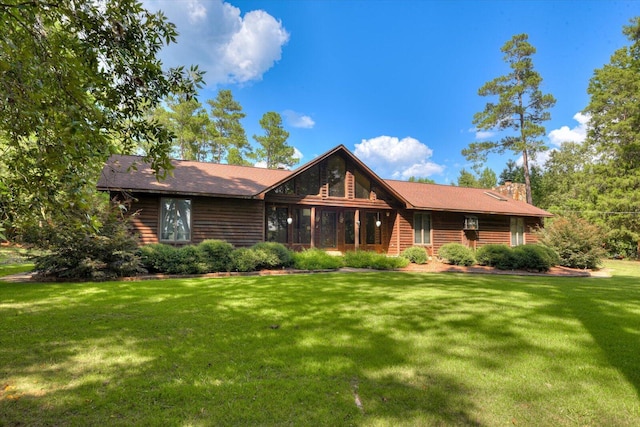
229	137
79	251
216	255
578	243
495	255
622	244
457	254
416	254
274	150
77	80
531	258
376	261
521	108
525	257
247	259
278	254
316	259
423	180
159	258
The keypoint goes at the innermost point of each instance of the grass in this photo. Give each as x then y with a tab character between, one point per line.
370	349
14	260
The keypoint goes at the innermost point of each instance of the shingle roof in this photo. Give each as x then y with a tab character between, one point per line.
213	179
461	199
189	178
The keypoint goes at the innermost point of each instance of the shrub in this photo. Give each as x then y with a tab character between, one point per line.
622	243
457	254
369	259
531	257
316	259
245	259
494	255
578	243
161	258
158	257
416	254
216	255
277	254
91	246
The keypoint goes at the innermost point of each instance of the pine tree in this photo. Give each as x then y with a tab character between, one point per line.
521	108
229	139
274	150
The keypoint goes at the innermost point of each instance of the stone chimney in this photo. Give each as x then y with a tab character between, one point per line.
512	190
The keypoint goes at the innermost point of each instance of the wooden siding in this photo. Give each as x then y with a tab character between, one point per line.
447	227
238	221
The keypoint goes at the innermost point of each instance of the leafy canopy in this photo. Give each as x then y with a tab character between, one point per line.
76	79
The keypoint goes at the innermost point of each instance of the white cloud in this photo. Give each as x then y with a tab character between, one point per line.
398	158
229	47
298	120
482	134
575	134
297	154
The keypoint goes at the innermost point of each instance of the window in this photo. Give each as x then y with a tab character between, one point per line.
336	172
363	186
517	231
422	229
277	225
308	183
471	223
302	226
175	220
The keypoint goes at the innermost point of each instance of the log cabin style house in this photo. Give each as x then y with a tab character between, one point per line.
334	202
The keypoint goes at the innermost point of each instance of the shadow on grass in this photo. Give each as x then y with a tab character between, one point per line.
234	352
611	314
412	349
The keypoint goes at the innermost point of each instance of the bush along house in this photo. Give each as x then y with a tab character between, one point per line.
334	202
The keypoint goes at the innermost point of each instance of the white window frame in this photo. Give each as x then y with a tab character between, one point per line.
517	232
176	235
425	237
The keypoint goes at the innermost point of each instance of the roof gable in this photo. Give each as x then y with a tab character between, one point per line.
341	150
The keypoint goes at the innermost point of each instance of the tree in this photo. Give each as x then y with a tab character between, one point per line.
230	139
188	121
76	81
274	149
422	179
487	179
614	135
514	173
467	179
521	109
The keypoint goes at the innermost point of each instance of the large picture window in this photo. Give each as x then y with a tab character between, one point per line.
422	229
517	231
175	220
363	185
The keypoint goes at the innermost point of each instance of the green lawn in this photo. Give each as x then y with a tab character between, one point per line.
324	349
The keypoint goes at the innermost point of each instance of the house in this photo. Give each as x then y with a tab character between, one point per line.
334	202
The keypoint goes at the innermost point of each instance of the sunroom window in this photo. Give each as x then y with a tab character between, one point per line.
517	231
175	220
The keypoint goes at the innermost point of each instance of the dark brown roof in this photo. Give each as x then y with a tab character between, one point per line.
461	199
189	178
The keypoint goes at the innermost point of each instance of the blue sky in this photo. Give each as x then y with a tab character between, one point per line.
394	81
